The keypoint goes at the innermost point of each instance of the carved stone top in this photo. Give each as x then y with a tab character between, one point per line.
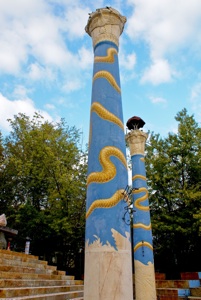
105	24
136	140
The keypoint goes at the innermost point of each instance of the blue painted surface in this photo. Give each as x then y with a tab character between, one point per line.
183	292
194	283
105	133
144	253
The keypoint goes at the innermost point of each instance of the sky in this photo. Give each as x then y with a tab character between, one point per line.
46	61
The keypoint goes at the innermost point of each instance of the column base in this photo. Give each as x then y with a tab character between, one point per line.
145	287
107	275
108	271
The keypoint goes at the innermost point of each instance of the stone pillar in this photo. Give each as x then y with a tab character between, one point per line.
108	269
142	234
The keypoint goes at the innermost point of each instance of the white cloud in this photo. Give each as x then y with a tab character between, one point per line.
66	102
12	51
76	20
9	108
20	92
159	72
22	8
14	21
127	61
72	85
36	42
38	72
34	35
50	106
166	26
158	100
85	58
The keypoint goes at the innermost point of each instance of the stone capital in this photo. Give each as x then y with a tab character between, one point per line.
136	140
105	24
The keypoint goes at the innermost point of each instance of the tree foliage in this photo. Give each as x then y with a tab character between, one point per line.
174	179
42	189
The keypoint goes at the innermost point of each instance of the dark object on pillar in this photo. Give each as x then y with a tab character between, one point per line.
135	123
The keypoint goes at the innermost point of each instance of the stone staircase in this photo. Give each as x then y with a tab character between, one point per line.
24	277
187	287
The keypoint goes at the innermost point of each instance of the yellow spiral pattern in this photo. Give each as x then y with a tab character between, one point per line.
109	169
105	114
108	76
143	226
138	177
141	199
109	58
145	208
143	244
106	203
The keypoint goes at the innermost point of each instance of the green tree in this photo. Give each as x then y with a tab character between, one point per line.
174	179
45	174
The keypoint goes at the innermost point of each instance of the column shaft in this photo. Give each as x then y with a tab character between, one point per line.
108	272
142	233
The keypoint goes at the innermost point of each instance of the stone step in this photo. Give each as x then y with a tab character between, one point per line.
166	297
160	276
36	270
30	291
7	283
24	277
6	257
11	255
31	264
196	291
14	254
17	275
177	283
173	292
190	275
75	295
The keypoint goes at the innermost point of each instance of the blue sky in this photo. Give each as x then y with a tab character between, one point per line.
46	60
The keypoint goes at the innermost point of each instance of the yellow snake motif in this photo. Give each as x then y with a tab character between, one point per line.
109	58
105	203
145	208
141	244
138	177
141	225
109	77
143	198
109	169
105	114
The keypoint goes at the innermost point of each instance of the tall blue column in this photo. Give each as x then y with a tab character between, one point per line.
142	234
108	270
